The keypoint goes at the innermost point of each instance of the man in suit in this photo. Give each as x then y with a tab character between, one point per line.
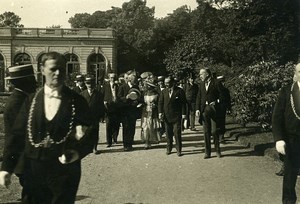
95	101
160	88
225	106
172	108
110	91
24	83
208	110
286	132
191	90
80	85
54	120
129	97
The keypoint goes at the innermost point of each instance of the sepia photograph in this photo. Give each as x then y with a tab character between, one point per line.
149	101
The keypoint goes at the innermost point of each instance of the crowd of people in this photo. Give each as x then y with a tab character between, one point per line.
56	126
165	105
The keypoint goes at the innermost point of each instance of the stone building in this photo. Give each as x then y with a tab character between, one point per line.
88	51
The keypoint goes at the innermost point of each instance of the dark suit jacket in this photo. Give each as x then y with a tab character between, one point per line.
59	130
12	108
111	106
77	89
213	94
172	108
191	92
285	125
95	102
127	106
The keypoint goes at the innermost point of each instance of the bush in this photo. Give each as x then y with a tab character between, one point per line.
255	91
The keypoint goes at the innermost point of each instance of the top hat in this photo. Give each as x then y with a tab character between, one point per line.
20	71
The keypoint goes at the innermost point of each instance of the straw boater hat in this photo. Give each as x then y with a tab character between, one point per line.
134	94
20	71
90	79
79	77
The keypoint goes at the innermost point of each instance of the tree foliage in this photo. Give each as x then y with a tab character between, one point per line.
256	90
10	19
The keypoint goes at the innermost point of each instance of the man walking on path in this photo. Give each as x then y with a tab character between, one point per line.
208	105
172	108
286	131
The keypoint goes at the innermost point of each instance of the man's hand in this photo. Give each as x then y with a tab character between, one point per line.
69	156
5	178
197	113
280	147
160	116
183	116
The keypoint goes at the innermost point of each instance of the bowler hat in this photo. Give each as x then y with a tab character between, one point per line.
20	71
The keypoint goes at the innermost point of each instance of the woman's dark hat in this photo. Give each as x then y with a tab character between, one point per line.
20	71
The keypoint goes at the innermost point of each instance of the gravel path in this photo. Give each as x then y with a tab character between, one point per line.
151	176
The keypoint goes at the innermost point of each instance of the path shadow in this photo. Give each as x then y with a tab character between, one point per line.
81	197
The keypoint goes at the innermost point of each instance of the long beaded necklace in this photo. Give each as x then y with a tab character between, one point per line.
47	141
293	104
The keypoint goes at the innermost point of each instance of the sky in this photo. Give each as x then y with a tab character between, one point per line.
45	13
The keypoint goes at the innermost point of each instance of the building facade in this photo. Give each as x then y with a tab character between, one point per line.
88	51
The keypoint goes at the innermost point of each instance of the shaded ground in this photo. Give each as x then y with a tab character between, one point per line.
150	176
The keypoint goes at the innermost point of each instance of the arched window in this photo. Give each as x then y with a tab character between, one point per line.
97	67
21	59
73	65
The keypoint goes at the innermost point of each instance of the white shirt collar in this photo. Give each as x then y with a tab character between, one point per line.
52	92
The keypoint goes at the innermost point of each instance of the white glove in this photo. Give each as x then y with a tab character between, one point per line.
69	157
80	131
197	113
5	178
280	147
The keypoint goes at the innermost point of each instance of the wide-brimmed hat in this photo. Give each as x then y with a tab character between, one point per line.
20	71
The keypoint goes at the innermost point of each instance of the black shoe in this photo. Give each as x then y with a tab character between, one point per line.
108	145
168	152
193	129
206	156
281	172
179	154
96	151
128	149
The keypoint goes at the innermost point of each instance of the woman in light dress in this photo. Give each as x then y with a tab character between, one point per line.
150	121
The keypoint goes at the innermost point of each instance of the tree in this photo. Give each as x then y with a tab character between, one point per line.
80	20
10	19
